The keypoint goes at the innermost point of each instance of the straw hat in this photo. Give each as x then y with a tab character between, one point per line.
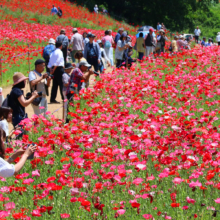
18	77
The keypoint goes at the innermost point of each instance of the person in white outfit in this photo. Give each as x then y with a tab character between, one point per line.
197	33
218	38
104	57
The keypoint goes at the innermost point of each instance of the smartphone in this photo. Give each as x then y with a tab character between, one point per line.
31	157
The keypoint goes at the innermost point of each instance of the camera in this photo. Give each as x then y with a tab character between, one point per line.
96	73
50	75
31	157
40	93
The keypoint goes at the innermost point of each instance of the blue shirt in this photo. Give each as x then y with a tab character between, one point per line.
203	43
91	51
54	10
158	27
117	37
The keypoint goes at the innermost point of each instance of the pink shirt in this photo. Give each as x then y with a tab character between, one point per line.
107	38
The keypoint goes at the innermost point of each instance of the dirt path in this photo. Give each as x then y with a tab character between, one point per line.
51	107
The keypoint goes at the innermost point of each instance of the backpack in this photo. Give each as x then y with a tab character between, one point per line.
47	51
6	102
107	44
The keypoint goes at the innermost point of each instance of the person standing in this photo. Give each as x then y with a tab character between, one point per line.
174	44
76	43
118	35
17	101
1	97
39	81
107	42
54	10
148	42
158	26
92	53
104	58
120	48
65	79
96	9
56	65
162	40
65	43
140	46
60	12
218	38
47	52
197	33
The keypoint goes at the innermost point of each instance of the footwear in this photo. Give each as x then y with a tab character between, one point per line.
54	102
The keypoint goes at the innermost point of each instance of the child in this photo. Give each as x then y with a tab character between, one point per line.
5	118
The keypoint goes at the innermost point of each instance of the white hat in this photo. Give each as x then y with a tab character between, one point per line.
98	41
84	63
51	41
75	30
218	33
181	36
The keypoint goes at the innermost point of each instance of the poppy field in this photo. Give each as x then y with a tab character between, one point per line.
144	144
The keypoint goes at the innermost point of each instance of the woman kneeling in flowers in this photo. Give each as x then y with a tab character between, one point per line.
7	169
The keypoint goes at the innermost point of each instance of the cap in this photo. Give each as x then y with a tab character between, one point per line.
84	63
68	66
51	41
99	41
75	30
151	29
91	35
39	61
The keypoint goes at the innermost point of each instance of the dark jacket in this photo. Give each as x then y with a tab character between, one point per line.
149	40
96	48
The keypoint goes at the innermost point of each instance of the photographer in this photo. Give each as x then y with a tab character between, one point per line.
17	100
38	82
7	169
77	77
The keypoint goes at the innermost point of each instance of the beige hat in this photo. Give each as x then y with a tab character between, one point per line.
162	30
18	77
75	30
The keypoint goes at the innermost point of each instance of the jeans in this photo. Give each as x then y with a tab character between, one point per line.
57	81
101	68
94	62
140	55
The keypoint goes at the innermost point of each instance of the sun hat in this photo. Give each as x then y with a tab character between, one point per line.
176	36
52	41
129	44
75	30
18	77
39	61
124	35
162	30
151	29
218	33
181	36
68	66
84	63
98	41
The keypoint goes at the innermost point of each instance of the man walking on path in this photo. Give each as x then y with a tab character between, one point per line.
76	43
56	64
39	81
65	43
148	42
92	53
54	10
197	33
47	52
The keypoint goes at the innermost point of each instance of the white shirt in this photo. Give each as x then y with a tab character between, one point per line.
56	58
197	32
218	38
4	126
6	169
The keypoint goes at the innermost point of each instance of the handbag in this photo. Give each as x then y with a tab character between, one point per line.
37	100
